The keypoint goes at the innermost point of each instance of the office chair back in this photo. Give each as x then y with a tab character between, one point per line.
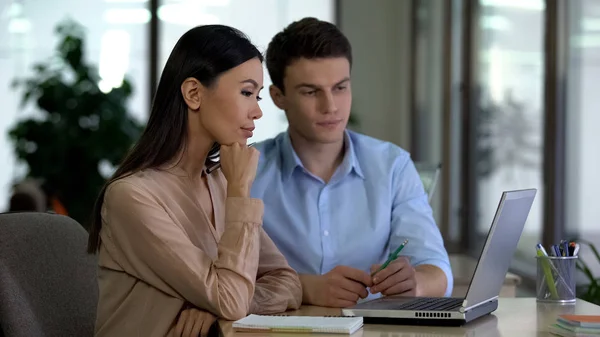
429	174
48	284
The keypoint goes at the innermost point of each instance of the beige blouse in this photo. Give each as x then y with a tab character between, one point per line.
159	251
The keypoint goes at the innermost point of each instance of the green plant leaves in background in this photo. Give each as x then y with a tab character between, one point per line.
591	290
79	125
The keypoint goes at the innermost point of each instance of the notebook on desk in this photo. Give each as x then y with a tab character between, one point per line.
307	324
576	325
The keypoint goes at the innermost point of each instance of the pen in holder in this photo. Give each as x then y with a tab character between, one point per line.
213	159
555	281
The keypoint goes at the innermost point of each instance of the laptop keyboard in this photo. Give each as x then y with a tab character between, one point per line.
432	303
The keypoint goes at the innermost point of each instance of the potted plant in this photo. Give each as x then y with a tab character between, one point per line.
589	291
77	128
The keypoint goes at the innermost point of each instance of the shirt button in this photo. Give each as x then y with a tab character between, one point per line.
326	233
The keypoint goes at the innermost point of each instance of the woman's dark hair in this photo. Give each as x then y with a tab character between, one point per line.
204	53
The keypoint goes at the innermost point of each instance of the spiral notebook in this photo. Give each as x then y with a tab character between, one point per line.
308	324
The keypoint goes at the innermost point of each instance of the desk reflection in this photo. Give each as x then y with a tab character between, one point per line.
548	312
486	326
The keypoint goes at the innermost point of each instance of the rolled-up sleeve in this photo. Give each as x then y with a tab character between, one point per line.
278	286
412	219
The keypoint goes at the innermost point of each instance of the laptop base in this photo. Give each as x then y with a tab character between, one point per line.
480	311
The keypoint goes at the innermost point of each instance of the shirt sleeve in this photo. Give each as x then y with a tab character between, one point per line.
412	219
278	286
144	240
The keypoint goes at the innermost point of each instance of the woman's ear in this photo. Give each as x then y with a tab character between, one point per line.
277	96
192	89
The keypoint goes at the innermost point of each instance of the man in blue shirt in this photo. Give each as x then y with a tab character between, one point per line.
338	202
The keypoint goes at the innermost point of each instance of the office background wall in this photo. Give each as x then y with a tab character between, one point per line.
380	35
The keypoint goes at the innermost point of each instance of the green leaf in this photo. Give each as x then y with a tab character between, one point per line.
592	247
582	266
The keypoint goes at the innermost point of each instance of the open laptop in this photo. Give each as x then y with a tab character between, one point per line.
482	295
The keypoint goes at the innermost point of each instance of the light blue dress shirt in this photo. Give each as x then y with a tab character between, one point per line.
374	201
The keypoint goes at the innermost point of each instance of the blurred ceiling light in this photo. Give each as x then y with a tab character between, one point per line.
19	26
188	14
590	25
17	22
14	10
211	3
114	58
537	5
495	22
127	15
125	1
214	3
496	71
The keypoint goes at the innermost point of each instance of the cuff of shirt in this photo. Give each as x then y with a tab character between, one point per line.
247	210
445	267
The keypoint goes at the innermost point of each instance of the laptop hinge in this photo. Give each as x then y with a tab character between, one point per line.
464	307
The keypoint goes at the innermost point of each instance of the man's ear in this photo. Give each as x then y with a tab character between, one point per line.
277	96
192	90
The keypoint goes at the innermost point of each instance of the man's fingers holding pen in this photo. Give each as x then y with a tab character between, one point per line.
344	296
354	274
391	269
400	270
340	287
375	267
351	279
336	295
354	287
405	288
388	279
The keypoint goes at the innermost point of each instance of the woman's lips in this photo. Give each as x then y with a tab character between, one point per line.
248	132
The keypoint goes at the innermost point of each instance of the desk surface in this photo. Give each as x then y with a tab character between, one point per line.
522	317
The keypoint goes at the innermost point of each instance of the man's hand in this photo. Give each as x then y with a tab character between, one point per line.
399	277
193	323
342	287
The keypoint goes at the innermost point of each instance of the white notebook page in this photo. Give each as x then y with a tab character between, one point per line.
344	325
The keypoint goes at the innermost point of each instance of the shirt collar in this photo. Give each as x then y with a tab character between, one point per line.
350	163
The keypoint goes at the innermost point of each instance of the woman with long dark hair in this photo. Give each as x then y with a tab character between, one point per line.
179	247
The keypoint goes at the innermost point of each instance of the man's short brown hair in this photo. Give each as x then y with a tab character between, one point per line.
308	38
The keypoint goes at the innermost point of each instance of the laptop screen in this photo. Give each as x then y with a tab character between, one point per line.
500	245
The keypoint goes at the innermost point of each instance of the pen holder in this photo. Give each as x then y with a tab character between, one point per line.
555	281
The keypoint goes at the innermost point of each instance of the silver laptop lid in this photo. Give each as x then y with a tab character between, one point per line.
499	247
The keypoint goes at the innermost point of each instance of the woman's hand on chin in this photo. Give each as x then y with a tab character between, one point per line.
239	164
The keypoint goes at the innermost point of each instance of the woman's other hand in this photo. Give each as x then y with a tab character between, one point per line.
193	322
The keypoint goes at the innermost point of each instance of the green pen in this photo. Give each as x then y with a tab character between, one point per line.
391	258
